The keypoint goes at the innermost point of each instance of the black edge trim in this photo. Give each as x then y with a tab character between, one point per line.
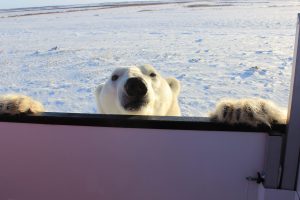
133	121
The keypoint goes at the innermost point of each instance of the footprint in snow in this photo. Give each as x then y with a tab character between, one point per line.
206	87
194	60
84	90
35	53
186	33
155	33
263	52
249	72
59	103
262	72
53	48
181	76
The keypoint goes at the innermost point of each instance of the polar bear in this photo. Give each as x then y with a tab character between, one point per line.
141	90
138	90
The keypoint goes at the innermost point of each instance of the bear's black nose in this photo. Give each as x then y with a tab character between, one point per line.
135	87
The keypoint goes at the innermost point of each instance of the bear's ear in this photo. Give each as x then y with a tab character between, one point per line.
97	94
98	89
174	85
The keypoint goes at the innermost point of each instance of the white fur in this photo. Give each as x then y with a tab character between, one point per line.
253	112
15	104
162	93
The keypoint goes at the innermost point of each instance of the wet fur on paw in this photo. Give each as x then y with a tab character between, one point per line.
253	112
16	104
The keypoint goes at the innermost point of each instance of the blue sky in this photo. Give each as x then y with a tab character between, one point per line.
4	4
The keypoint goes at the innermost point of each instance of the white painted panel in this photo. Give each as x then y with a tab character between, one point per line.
73	162
276	194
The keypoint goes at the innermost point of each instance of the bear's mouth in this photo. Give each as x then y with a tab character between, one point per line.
134	104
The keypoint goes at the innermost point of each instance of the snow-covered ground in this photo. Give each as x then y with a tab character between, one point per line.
216	49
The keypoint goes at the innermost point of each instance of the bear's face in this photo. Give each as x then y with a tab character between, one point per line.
138	90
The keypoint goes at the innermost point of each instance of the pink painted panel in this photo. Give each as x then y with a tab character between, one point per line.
46	162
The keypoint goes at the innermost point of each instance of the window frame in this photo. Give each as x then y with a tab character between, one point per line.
292	141
290	133
138	121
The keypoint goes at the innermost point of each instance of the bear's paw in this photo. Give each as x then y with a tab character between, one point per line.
252	112
16	104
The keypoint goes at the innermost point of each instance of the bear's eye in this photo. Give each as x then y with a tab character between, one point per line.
114	77
153	74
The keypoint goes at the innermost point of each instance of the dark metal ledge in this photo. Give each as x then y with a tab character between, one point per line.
132	121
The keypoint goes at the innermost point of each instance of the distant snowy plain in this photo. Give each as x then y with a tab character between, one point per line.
216	49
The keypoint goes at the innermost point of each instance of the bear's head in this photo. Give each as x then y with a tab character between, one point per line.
139	90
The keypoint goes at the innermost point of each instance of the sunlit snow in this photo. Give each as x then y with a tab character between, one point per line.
216	49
